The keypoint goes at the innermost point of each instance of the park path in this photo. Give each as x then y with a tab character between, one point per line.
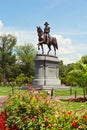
66	97
2	100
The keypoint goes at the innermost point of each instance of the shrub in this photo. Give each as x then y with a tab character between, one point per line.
36	111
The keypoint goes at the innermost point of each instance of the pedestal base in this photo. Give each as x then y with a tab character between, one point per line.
46	72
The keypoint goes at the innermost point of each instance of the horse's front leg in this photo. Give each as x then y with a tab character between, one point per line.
54	51
38	46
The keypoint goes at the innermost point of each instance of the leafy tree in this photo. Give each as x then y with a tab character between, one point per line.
22	79
84	59
7	58
25	56
62	70
72	74
74	77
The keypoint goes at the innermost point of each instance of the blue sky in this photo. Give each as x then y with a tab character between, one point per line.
67	19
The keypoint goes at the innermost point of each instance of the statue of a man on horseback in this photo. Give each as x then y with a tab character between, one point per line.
45	38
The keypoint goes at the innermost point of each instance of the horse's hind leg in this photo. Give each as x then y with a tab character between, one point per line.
49	50
42	49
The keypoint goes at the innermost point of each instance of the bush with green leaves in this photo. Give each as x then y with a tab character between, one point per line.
34	110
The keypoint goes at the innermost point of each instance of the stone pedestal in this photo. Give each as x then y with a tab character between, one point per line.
46	72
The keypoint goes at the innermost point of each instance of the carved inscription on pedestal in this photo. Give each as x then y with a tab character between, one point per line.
51	72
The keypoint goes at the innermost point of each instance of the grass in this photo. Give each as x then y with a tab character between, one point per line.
67	92
6	90
75	105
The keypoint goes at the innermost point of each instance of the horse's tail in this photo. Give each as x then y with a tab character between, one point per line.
56	45
54	42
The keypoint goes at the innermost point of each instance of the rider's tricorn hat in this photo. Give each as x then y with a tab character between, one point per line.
46	23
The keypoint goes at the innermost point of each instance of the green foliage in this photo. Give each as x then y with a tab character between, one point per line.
22	79
7	58
74	74
84	59
15	61
5	90
35	111
26	55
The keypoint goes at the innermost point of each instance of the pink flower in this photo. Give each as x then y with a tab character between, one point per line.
33	120
46	119
80	127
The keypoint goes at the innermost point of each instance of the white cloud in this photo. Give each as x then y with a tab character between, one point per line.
23	36
62	40
65	45
68	52
1	24
74	33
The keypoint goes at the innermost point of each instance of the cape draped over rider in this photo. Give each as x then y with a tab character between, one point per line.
46	32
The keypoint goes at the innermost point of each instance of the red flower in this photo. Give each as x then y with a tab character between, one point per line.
12	126
69	112
74	124
3	124
85	116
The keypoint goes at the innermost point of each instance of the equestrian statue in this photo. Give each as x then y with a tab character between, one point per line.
45	38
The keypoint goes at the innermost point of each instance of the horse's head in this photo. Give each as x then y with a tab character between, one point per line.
39	31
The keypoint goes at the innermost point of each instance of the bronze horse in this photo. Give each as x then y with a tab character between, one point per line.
42	40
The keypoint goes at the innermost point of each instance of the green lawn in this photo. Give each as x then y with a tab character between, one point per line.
5	91
75	105
67	92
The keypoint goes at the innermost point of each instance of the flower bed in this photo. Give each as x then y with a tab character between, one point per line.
36	111
3	121
79	99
